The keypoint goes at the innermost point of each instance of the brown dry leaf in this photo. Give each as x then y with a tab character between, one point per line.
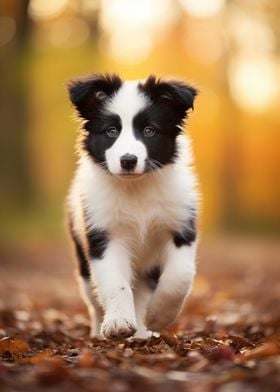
86	359
169	338
13	345
272	338
40	358
53	372
239	342
264	350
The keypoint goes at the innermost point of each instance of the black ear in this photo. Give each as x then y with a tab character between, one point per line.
176	94
88	93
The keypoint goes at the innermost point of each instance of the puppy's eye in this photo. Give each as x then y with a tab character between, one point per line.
149	132
112	132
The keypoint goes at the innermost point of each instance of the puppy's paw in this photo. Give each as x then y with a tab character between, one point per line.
118	328
157	321
143	334
94	335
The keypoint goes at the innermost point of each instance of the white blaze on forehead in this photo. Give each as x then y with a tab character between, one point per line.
127	102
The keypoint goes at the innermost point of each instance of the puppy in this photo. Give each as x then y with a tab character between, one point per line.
132	205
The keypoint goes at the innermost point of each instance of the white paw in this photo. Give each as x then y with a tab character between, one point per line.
118	328
143	334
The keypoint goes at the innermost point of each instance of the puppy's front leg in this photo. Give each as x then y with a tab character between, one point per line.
173	287
112	275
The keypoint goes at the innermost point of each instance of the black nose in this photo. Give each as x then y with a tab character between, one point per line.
128	161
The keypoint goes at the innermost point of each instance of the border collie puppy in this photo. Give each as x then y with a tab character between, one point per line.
132	205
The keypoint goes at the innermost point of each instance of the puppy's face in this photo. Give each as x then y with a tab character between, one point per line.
130	128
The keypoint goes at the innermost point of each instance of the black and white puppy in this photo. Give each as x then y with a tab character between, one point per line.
132	204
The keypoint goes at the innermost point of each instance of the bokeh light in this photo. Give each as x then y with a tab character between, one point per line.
132	26
203	41
202	8
68	32
250	34
254	83
253	73
43	9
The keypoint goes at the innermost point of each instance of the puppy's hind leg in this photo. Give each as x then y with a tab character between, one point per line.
87	290
94	308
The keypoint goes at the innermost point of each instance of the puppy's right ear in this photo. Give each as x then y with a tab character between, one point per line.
88	93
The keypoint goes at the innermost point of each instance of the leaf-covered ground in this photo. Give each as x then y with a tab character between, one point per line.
227	339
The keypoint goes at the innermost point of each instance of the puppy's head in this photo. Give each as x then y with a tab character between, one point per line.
131	127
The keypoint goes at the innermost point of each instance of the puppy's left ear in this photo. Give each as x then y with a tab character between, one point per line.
176	94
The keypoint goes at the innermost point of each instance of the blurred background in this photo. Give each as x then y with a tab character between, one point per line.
228	48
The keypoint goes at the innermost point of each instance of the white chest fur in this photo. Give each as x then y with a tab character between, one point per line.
140	213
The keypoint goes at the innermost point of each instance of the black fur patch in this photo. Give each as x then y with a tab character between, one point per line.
152	277
175	96
95	140
83	263
89	93
97	243
161	147
89	96
187	236
169	103
80	253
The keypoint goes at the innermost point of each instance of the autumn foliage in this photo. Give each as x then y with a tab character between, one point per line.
228	335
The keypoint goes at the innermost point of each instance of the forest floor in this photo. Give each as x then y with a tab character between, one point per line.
227	339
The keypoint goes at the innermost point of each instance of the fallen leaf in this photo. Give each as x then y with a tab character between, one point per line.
264	350
13	345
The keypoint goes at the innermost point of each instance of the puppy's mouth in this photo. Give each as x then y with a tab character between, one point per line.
130	175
